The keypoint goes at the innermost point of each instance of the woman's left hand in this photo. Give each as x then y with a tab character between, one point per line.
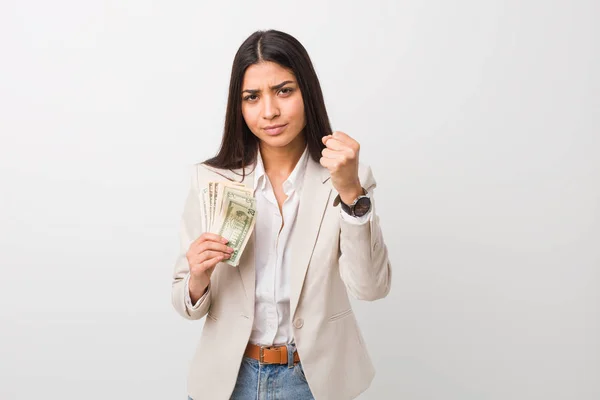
340	157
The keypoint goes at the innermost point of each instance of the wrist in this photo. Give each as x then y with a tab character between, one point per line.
198	286
348	196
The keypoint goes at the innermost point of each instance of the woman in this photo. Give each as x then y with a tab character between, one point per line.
280	324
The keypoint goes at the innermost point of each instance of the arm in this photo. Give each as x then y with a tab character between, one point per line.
190	229
188	294
363	262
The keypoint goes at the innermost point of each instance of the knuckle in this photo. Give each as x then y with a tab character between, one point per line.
210	254
205	236
203	247
196	260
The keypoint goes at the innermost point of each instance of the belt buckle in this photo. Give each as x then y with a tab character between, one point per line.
261	353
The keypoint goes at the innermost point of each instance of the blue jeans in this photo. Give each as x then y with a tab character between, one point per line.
257	381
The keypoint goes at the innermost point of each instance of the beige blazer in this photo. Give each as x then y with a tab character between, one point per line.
332	259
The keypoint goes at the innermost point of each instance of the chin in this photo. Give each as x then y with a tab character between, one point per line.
278	141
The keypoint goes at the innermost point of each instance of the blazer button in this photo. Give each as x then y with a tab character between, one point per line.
299	323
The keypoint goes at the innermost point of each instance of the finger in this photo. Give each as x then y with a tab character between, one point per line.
325	139
210	245
345	153
332	154
335	144
210	236
328	163
207	255
211	262
342	137
350	145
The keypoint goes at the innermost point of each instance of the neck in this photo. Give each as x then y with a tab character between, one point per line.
282	160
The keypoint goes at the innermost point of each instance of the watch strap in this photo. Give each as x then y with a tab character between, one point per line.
349	208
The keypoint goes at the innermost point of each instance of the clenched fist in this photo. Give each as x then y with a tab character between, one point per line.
340	157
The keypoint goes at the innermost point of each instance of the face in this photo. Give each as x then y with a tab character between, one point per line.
272	105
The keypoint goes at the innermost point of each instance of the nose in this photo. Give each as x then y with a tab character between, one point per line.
270	108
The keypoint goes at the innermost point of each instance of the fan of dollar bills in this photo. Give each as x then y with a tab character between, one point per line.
229	211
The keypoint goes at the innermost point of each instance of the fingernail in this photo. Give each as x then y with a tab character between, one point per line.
225	241
230	249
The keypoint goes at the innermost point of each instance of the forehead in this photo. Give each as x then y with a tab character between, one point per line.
265	74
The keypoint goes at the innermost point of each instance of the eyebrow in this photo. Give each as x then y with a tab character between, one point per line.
276	87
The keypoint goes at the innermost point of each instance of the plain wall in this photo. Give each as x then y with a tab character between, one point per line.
480	120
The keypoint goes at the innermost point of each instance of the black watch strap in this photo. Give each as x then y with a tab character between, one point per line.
359	207
346	207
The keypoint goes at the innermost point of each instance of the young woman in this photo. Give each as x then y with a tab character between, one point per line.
280	324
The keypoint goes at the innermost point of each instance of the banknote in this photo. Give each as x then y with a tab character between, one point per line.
234	191
204	216
236	223
210	204
229	210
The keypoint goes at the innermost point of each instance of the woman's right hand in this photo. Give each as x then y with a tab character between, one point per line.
203	255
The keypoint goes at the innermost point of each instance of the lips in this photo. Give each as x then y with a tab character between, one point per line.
275	129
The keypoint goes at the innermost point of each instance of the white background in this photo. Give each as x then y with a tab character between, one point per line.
481	122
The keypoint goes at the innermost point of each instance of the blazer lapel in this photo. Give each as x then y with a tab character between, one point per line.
313	202
246	266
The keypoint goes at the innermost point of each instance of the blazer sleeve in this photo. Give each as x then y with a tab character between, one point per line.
190	229
364	265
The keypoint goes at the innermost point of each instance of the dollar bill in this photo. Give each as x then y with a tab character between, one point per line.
236	223
210	207
229	191
229	210
204	197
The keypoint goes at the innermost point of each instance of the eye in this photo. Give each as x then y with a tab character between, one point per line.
286	90
250	97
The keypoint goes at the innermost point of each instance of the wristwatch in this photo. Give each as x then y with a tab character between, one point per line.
359	207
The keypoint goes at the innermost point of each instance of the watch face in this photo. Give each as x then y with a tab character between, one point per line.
362	206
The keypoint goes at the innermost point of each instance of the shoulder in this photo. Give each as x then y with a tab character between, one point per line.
201	169
201	173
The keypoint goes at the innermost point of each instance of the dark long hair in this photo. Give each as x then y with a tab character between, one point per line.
239	146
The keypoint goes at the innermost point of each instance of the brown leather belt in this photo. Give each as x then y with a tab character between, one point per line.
270	355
